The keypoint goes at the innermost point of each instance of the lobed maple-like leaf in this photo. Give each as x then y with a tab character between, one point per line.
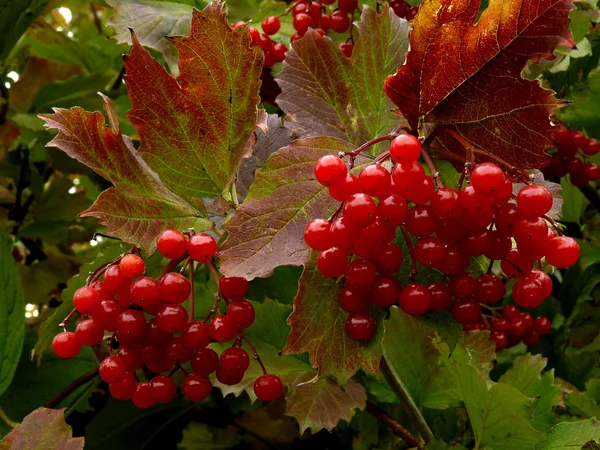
326	94
463	73
267	230
194	130
43	429
139	206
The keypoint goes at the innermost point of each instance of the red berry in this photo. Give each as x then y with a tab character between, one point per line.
145	292
89	332
504	193
132	266
528	292
531	338
241	313
591	147
196	387
487	178
205	361
346	48
387	259
515	265
385	292
131	323
333	262
405	148
348	5
86	300
267	44
163	389
302	22
343	236
446	203
393	210
477	220
124	388
254	35
475	243
360	210
500	324
511	312
415	299
421	221
463	286
171	244
268	387
171	317
174	288
234	359
195	335
177	351
455	262
353	301
142	398
123	294
412	12
449	231
156	335
330	170
229	378
201	247
113	278
107	315
591	171
489	289
271	25
360	274
430	251
112	369
422	192
360	327
233	288
473	201
465	312
440	297
531	231
407	175
375	180
222	329
339	22
534	200
278	52
542	325
316	234
544	281
498	246
379	232
131	357
562	252
500	339
344	189
66	345
399	7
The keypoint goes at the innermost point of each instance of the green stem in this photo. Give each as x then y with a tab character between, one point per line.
7	420
406	400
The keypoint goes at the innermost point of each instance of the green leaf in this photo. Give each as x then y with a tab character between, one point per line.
201	436
12	314
325	93
139	207
15	18
266	231
152	21
574	435
584	113
574	202
317	327
195	130
80	90
43	429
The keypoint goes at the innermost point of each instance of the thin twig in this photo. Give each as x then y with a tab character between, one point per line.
254	352
96	18
172	265
406	400
396	428
7	420
63	324
411	252
553	224
214	309
434	172
54	401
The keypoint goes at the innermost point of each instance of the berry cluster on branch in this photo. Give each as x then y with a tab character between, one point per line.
443	228
151	336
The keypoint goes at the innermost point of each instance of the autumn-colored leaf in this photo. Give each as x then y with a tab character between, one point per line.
194	129
43	429
267	229
326	94
139	206
467	77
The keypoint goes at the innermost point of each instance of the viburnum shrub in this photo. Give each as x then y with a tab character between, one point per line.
149	331
383	205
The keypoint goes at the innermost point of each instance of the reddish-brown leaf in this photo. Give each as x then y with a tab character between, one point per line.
139	206
467	77
43	429
194	129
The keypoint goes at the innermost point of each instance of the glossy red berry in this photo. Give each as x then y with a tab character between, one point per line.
171	244
302	22
145	292
406	176
353	301
86	300
446	203
455	261
542	325
344	189
89	332
500	339
205	361
132	266
278	52
330	169
385	292
233	288
131	357
489	289
196	387
399	7
107	315
440	297
124	388
346	48
195	335
562	252
174	288
375	180
360	274
393	210
531	338
66	345
430	251
229	378
531	231
472	201
499	324
360	210
142	398
415	299
201	247
387	259
360	327
271	25
405	148
112	369
515	265
316	234
241	313
163	389
487	178
463	286
268	387
131	323
113	278
222	329
591	171
591	147
333	262
498	246
421	221
234	359
339	22
534	200
171	317
465	312
177	351
528	292
511	312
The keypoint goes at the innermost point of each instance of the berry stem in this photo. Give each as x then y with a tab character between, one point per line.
553	224
216	230
388	137
214	309
55	401
192	310
254	352
434	172
63	324
7	420
411	252
517	268
171	265
396	428
406	400
382	157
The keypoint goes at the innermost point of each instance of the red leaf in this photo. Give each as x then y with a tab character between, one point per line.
467	76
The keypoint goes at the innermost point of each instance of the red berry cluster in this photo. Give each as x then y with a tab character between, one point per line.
147	326
570	158
403	9
449	226
274	51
